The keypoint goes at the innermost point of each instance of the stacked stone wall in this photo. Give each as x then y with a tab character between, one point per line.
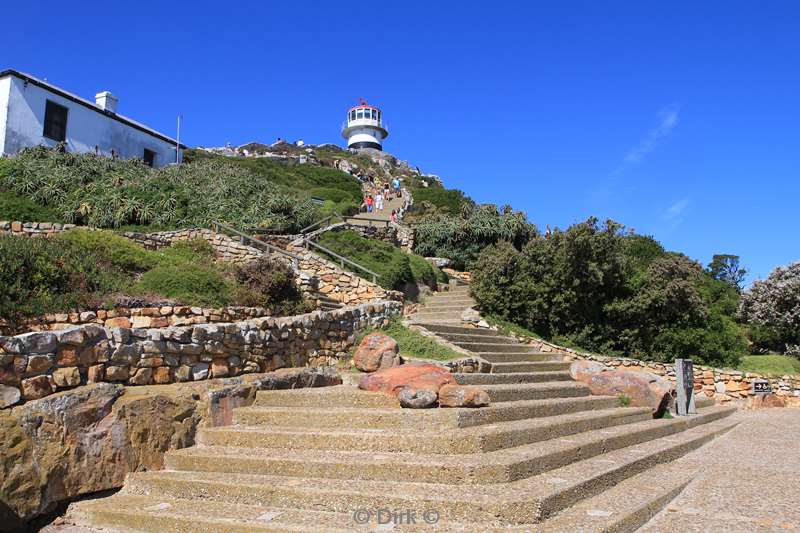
37	364
225	248
138	317
33	229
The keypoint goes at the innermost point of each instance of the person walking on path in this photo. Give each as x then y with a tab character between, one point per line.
379	201
394	216
396	185
370	202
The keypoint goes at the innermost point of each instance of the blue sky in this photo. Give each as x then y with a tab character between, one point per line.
679	119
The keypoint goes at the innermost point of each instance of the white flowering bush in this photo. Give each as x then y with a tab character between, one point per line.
772	308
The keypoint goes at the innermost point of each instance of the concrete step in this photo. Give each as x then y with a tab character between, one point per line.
517	357
449	441
518	377
131	512
501	466
626	506
457	338
433	316
442	308
453	299
443	328
415	419
520	502
535	391
502	368
338	396
490	346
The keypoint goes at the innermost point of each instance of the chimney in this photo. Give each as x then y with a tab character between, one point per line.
106	101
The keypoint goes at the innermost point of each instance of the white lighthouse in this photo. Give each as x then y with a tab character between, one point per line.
364	127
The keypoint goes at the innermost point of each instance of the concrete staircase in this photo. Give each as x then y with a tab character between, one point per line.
309	460
445	307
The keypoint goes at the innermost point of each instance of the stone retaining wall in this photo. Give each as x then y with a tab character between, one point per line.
138	317
37	364
32	229
225	248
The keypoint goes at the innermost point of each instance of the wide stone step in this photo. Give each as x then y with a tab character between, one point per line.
338	396
443	328
457	338
535	391
435	316
626	506
501	466
132	512
457	299
520	502
489	346
502	368
419	419
519	377
450	441
521	357
442	308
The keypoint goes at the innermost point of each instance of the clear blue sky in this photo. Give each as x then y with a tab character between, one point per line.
679	119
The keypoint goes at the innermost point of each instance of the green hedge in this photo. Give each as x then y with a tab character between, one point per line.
20	208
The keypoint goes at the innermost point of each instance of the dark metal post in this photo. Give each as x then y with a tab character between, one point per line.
684	375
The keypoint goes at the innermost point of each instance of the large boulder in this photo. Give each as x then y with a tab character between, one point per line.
764	401
376	351
418	399
87	439
417	376
643	389
463	396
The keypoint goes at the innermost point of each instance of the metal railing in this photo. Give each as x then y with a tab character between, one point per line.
219	227
342	260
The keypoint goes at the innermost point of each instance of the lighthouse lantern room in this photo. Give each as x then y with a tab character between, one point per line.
364	127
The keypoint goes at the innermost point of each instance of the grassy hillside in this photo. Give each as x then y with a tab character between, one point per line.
771	365
396	268
80	269
107	193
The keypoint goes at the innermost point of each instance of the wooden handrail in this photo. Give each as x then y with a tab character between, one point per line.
258	242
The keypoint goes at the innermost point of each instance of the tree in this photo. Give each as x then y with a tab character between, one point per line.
725	267
773	306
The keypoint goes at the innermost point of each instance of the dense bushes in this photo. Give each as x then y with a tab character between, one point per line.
772	308
396	268
268	283
79	269
15	207
595	287
108	193
439	200
462	238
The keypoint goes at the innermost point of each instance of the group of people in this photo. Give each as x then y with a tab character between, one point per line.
376	194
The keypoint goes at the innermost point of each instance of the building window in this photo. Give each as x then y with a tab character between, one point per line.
55	121
149	158
360	113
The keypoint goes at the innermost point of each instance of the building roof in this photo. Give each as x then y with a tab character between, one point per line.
86	103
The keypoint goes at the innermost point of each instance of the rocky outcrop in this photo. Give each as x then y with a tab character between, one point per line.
87	439
376	351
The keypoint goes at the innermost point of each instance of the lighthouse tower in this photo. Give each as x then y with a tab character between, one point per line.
364	127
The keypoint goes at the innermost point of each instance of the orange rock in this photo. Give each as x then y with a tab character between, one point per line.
762	401
643	388
161	375
375	351
118	322
462	396
95	374
67	356
415	375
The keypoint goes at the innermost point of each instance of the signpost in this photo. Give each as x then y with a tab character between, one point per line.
684	374
761	386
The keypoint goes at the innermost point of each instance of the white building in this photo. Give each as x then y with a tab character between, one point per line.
33	112
364	127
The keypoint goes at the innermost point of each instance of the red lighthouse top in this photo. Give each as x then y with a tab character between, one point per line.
362	104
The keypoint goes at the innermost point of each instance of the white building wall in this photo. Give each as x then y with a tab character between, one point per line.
86	128
364	134
5	87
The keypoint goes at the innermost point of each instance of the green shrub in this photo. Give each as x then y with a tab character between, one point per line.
196	250
268	283
19	208
444	200
112	250
412	343
40	275
189	283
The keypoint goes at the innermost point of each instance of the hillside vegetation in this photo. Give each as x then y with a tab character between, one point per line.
107	193
396	268
80	269
596	287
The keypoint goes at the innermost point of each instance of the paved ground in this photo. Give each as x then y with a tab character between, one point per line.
749	479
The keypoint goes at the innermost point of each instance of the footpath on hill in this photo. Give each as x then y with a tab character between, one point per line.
748	480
